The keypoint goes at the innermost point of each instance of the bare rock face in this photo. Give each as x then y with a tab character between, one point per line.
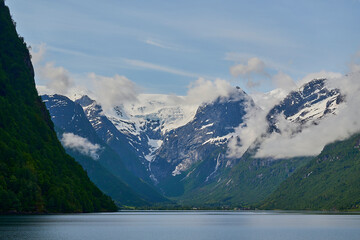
212	127
308	105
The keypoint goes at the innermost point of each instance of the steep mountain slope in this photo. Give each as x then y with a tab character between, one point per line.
69	117
249	179
36	175
330	181
118	141
248	182
201	142
136	130
145	122
191	163
120	192
309	104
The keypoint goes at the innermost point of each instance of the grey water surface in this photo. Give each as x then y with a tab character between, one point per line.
176	225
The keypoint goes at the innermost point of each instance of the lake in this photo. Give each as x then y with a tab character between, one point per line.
176	225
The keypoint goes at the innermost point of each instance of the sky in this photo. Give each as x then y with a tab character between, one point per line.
165	46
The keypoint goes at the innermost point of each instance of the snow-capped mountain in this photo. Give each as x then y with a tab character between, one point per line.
121	143
166	127
166	138
308	105
69	117
246	179
212	126
144	123
171	111
176	145
106	169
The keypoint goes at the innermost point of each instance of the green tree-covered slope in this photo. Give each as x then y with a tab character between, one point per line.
328	182
36	175
121	193
247	183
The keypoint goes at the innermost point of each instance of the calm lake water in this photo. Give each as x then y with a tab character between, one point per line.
181	225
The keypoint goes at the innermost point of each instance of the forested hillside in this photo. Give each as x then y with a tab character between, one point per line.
36	175
328	182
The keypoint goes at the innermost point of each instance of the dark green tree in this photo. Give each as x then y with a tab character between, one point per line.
36	174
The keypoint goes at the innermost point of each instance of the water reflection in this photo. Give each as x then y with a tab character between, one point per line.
181	225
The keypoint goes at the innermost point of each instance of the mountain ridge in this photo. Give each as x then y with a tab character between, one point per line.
192	160
69	117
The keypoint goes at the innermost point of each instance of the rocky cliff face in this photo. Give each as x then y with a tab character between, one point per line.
184	154
308	105
213	125
117	140
103	164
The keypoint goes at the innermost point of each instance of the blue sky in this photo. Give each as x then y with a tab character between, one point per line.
163	46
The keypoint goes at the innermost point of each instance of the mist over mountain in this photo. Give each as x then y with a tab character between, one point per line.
104	166
229	151
216	146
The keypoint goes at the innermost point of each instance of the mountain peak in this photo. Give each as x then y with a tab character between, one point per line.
85	101
309	103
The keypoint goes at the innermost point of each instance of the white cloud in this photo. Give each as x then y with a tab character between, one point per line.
318	75
248	132
113	91
73	93
152	66
57	79
269	63
70	52
38	54
355	68
283	81
80	144
203	90
200	91
255	124
161	44
267	100
311	140
253	67
175	111
108	91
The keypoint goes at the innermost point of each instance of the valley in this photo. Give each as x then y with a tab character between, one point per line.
184	155
78	137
